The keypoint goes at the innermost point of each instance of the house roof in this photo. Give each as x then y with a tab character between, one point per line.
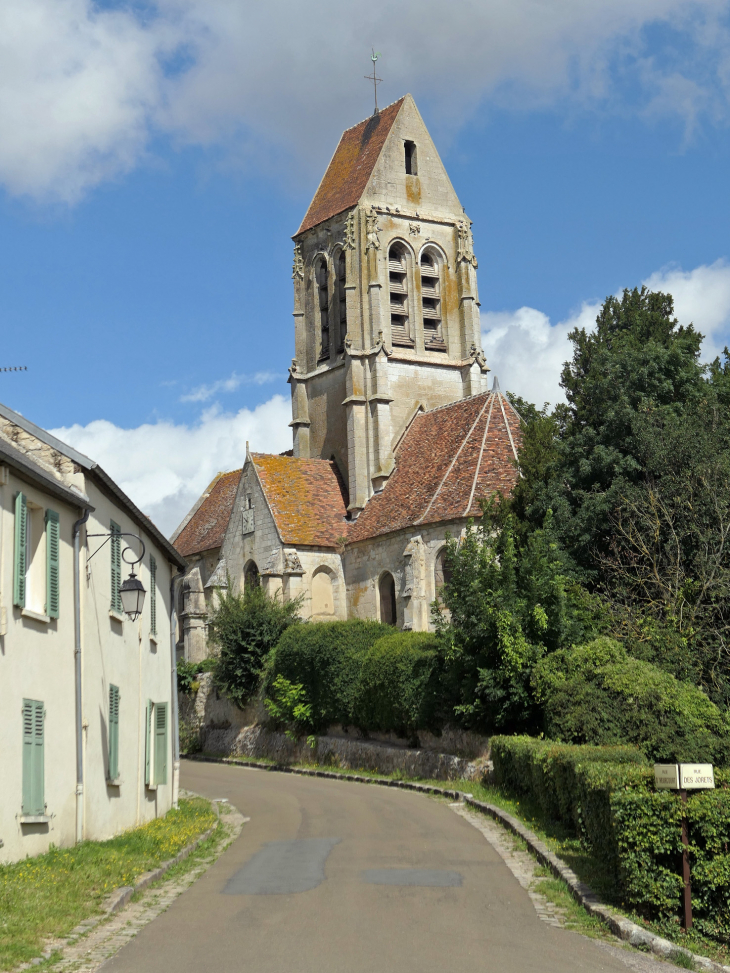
307	498
206	528
27	469
449	459
352	164
97	474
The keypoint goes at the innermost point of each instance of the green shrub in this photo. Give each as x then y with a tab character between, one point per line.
325	658
188	672
600	695
245	627
398	688
288	707
606	794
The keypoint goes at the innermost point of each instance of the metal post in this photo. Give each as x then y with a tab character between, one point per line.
685	864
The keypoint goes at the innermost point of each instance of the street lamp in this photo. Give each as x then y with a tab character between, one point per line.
132	590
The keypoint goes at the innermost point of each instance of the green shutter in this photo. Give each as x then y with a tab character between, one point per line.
33	758
21	550
52	557
148	741
160	743
153	596
113	732
116	559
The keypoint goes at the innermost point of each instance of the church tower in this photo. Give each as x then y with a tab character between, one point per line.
386	307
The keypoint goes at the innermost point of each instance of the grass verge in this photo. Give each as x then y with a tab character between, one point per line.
47	896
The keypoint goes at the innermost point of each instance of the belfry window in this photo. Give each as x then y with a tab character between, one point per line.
411	161
400	331
431	298
342	301
323	299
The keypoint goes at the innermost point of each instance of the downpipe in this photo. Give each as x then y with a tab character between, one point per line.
77	666
175	710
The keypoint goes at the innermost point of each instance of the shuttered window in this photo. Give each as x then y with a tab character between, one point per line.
160	743
323	299
33	774
431	297
52	558
342	300
153	596
400	330
113	732
21	550
116	567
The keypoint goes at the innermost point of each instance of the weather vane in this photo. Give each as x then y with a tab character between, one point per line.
376	81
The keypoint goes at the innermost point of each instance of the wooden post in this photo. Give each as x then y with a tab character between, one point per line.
685	865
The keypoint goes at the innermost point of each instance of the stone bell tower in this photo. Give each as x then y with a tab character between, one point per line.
386	307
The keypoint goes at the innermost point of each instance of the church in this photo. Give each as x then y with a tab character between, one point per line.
397	434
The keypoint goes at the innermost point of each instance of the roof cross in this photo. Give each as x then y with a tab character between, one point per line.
376	81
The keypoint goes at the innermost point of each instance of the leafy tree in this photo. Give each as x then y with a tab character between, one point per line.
507	604
244	628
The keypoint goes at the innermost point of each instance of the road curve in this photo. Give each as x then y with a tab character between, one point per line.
336	877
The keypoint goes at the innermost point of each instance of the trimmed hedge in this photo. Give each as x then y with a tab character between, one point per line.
606	794
598	694
398	690
325	658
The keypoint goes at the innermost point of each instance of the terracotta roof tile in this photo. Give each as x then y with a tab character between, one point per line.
347	175
307	498
449	459
207	527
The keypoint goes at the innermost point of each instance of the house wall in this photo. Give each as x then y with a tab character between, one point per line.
37	663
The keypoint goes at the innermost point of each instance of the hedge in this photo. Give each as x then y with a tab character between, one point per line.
606	794
398	689
325	658
599	694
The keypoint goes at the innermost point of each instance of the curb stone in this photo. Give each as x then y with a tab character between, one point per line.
619	925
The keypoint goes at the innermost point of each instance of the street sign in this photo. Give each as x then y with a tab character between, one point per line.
666	777
696	777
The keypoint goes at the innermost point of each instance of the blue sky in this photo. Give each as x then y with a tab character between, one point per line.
155	160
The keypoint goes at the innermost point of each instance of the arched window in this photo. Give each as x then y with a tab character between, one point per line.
433	335
323	602
400	329
388	611
342	301
251	578
323	302
442	574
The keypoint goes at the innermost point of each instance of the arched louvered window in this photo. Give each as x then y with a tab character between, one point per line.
400	329
433	334
323	303
342	301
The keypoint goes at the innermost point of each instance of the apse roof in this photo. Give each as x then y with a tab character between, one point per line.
206	528
449	459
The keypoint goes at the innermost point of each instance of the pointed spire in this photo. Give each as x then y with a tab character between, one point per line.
495	387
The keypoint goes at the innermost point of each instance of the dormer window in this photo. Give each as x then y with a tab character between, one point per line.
323	298
342	300
400	331
411	160
431	298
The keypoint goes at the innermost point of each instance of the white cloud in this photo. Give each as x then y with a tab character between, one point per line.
203	393
83	88
527	352
165	467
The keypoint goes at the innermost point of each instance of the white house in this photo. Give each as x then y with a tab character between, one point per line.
87	695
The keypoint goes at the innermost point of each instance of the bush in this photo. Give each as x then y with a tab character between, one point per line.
325	658
398	689
246	627
606	795
188	672
600	695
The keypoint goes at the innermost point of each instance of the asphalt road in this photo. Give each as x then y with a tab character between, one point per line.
335	877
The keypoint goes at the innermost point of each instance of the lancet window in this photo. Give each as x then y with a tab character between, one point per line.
323	303
342	301
400	330
431	297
